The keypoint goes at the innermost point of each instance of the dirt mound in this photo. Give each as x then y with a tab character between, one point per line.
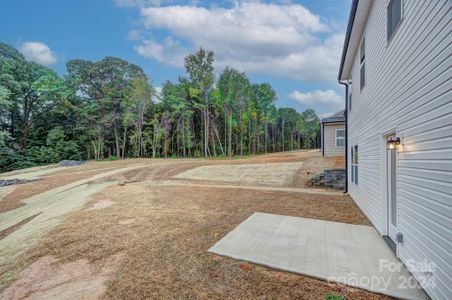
48	279
101	204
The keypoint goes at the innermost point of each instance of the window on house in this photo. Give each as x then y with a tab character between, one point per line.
340	137
394	16
362	69
354	164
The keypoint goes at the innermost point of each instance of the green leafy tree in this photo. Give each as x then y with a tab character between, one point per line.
105	109
135	109
199	67
310	128
233	87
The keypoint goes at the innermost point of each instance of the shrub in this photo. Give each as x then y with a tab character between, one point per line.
11	160
333	296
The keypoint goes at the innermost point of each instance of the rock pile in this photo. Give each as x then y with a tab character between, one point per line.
329	178
71	163
14	181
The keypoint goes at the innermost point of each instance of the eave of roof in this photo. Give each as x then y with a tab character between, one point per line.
356	28
333	120
351	20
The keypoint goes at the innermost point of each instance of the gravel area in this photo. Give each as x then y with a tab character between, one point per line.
71	163
15	181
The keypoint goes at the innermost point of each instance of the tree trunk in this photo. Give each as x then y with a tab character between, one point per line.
124	140
218	138
241	133
225	131
24	142
256	138
266	135
140	128
26	122
94	149
206	132
154	141
230	134
249	137
282	133
115	130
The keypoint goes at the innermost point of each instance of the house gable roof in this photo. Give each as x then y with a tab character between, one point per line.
336	118
356	23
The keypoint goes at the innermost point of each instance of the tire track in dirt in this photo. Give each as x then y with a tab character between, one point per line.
181	183
51	207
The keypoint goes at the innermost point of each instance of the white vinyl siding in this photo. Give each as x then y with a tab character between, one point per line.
329	139
408	89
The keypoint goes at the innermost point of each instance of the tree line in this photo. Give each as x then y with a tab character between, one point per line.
108	109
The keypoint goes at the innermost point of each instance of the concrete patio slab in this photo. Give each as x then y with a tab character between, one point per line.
354	255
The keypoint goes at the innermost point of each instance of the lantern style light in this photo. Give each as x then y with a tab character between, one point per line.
393	143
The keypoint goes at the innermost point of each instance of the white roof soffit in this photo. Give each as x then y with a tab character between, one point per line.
362	12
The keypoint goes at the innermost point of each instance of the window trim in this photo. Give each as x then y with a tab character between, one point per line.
354	164
341	137
402	17
362	63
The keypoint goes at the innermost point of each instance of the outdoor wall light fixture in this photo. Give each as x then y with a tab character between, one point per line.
393	143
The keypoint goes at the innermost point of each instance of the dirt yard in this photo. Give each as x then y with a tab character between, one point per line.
137	229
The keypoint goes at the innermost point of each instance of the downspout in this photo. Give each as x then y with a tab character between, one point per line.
323	138
346	134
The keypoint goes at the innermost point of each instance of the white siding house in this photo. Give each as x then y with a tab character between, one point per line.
397	64
333	135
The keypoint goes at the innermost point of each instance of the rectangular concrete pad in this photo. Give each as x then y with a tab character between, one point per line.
332	251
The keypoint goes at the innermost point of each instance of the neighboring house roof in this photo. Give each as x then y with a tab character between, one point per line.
356	23
337	117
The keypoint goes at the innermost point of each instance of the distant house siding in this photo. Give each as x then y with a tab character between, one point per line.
408	88
330	139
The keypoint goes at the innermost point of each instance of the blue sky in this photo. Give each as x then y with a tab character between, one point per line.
293	45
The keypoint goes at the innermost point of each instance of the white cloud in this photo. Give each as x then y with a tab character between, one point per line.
170	52
328	98
134	35
150	49
38	52
252	36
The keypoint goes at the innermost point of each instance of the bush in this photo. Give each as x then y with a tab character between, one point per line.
333	296
56	149
11	160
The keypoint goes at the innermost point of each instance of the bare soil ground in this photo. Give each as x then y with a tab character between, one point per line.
145	235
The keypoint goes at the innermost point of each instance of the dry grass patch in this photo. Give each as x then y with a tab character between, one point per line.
163	233
262	174
21	192
172	228
5	232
